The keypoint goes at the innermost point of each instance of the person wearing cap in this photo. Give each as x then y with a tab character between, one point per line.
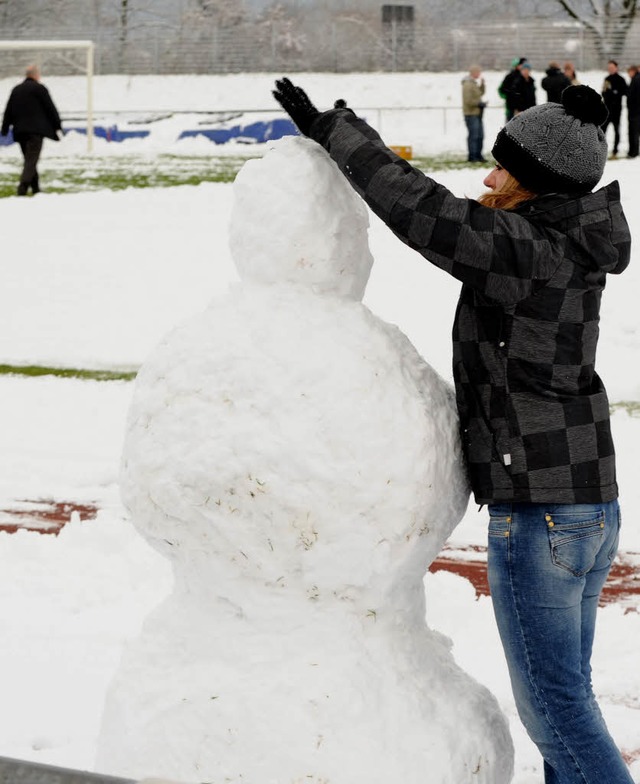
505	91
523	90
532	255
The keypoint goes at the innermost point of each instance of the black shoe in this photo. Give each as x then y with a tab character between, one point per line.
22	190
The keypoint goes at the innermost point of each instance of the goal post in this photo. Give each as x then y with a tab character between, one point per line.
87	46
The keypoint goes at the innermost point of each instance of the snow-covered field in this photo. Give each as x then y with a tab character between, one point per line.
94	280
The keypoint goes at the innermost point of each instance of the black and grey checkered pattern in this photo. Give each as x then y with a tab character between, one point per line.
534	414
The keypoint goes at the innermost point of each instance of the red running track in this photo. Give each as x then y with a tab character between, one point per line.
623	585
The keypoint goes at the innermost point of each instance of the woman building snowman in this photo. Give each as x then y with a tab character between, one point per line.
532	255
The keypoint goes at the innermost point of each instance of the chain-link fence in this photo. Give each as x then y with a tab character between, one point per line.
340	45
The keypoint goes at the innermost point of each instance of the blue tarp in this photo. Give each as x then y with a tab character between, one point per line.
111	133
253	132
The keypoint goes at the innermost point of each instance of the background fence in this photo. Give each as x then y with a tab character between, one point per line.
341	45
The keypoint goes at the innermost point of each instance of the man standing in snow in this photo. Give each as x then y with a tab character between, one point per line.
613	91
523	90
472	108
505	90
633	110
554	83
33	116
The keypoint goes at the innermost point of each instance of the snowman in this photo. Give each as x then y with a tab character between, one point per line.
299	464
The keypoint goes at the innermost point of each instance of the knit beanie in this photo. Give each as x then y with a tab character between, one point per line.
553	147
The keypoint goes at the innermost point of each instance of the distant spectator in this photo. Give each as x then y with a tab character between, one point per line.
505	91
613	91
633	110
570	72
554	83
33	116
472	107
524	90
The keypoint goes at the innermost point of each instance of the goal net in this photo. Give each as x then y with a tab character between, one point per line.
53	58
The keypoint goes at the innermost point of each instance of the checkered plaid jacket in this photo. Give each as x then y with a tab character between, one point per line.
534	414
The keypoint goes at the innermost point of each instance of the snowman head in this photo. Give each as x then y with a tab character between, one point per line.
296	219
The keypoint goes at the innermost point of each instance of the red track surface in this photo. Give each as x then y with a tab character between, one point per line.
623	585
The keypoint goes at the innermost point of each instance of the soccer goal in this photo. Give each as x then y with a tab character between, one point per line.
77	56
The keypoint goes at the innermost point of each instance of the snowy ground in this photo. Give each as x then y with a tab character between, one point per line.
93	281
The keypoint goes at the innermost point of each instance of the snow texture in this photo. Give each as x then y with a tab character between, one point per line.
299	464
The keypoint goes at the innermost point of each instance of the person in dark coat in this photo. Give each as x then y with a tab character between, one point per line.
533	256
554	83
505	91
633	110
33	116
613	91
523	90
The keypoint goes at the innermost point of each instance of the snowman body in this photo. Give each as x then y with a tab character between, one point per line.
299	464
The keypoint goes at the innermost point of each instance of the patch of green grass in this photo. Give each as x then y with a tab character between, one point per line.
632	407
94	172
81	373
82	173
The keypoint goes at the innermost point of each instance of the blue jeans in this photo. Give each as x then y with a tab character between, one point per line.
547	565
475	136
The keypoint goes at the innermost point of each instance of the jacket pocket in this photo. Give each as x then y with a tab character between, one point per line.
575	539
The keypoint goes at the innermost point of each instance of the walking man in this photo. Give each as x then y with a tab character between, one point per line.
473	107
33	116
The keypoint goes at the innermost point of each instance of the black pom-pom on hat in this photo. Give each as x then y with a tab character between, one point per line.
584	104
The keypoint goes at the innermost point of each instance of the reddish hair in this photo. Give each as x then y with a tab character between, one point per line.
511	195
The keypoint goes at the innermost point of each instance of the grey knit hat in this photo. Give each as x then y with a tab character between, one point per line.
556	147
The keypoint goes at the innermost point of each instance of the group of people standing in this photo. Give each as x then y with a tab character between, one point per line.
518	90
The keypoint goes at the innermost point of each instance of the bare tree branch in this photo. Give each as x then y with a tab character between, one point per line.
608	22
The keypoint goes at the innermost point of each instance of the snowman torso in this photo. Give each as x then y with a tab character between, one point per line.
299	464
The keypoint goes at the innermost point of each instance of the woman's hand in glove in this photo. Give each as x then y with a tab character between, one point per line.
296	104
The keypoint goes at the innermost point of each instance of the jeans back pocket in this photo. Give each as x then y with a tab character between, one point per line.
575	539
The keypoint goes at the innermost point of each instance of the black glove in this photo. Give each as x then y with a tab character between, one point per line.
296	104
